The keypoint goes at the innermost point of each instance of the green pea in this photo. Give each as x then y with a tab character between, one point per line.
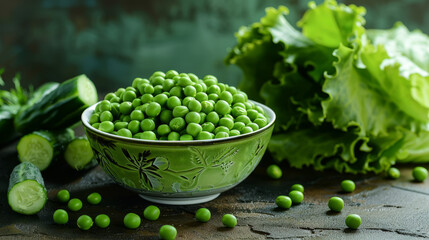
153	109
203	215
84	222
157	90
254	126
136	82
166	116
198	87
261	122
238	98
353	221
148	89
180	111
207	107
231	89
227	122
132	221
210	80
148	135
420	174
239	126
234	132
60	216
124	132
106	126
393	173
193	117
171	74
222	87
283	202
106	116
161	99
173	102
115	110
147	124
163	130
208	127
146	98
120	125
229	220
213	96
240	105
158	73
348	186
238	111
213	89
221	135
102	221
75	204
193	129
221	129
213	117
202	117
249	105
246	130
176	91
95	118
252	114
194	105
131	89
134	126
296	196
63	195
128	96
177	124
137	115
151	213
274	171
204	135
126	108
336	204
244	119
119	92
105	106
297	187
167	232
115	99
173	136
260	109
226	96
222	107
186	101
190	91
201	96
96	125
109	96
158	80
193	77
94	198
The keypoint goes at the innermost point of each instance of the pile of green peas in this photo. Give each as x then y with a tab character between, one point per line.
173	106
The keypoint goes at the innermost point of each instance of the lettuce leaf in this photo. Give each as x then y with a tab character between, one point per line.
346	98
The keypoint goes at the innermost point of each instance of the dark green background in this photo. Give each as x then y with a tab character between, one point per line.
114	41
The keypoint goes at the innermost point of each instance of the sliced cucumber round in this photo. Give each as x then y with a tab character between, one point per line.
27	192
79	154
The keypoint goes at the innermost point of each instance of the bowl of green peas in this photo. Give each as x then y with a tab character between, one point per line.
177	139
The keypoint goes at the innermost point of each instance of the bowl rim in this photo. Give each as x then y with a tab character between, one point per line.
88	111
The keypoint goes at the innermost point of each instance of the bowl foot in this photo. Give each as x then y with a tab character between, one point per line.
180	201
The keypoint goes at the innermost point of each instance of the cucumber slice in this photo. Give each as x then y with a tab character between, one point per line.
42	147
27	193
60	108
79	154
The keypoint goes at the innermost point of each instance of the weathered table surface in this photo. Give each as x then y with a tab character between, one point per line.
390	209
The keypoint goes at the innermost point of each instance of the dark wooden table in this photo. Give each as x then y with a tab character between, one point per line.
390	209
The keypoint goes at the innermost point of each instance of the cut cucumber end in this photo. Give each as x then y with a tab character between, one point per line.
79	154
35	149
27	197
87	90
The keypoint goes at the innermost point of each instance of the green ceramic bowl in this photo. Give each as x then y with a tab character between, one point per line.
179	172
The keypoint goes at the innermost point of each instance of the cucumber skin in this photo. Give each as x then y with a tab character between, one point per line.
22	172
25	171
58	139
59	109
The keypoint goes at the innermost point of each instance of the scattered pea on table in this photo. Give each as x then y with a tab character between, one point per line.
393	173
348	186
203	215
336	204
353	221
168	232
151	213
297	187
284	202
63	195
296	196
420	174
61	216
94	198
75	204
229	220
84	222
274	171
132	221
102	221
